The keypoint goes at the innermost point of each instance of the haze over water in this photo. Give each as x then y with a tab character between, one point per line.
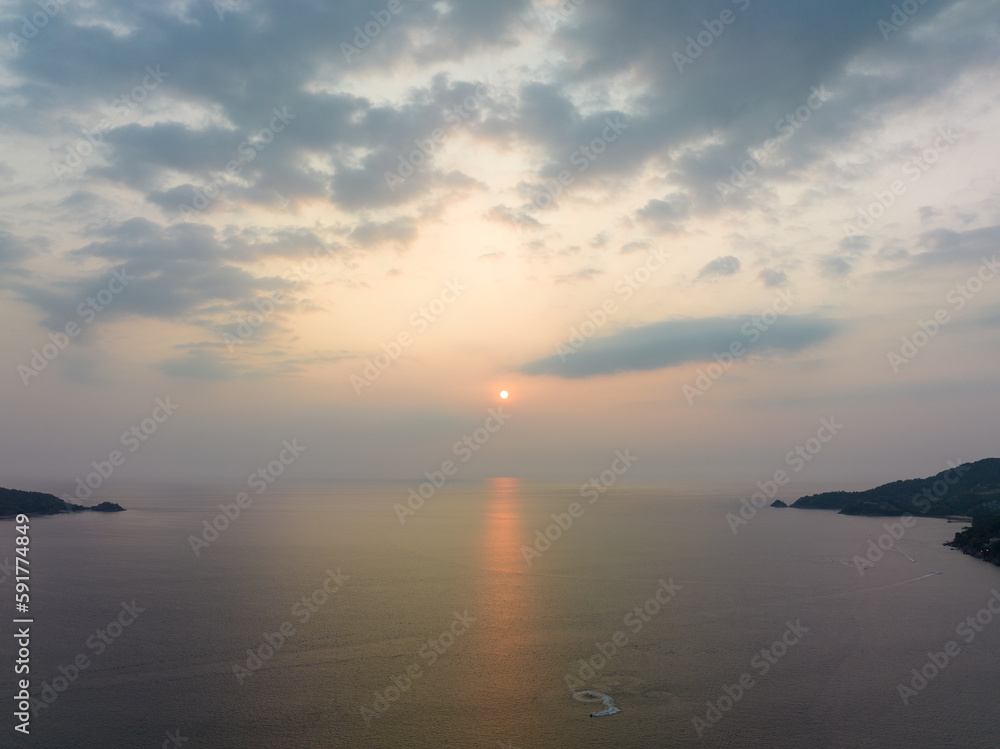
344	300
503	678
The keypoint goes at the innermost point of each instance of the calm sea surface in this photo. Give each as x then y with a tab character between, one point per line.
447	637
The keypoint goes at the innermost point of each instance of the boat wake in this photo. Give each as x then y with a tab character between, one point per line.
590	695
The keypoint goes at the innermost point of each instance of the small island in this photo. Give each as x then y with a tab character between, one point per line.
16	502
969	492
778	503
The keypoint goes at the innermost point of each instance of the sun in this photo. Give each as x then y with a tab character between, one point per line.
504	394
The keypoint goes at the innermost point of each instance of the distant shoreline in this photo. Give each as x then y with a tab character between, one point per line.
967	493
14	502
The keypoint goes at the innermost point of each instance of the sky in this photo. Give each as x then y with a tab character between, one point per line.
690	230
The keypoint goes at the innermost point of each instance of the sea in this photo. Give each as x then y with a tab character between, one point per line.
365	616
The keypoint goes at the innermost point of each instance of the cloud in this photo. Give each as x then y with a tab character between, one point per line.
584	274
208	361
400	231
215	109
940	248
948	247
518	218
675	342
684	128
773	278
854	246
634	247
600	240
199	364
13	250
835	266
665	215
721	266
842	262
696	124
180	272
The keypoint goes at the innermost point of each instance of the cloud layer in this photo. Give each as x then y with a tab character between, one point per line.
672	343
